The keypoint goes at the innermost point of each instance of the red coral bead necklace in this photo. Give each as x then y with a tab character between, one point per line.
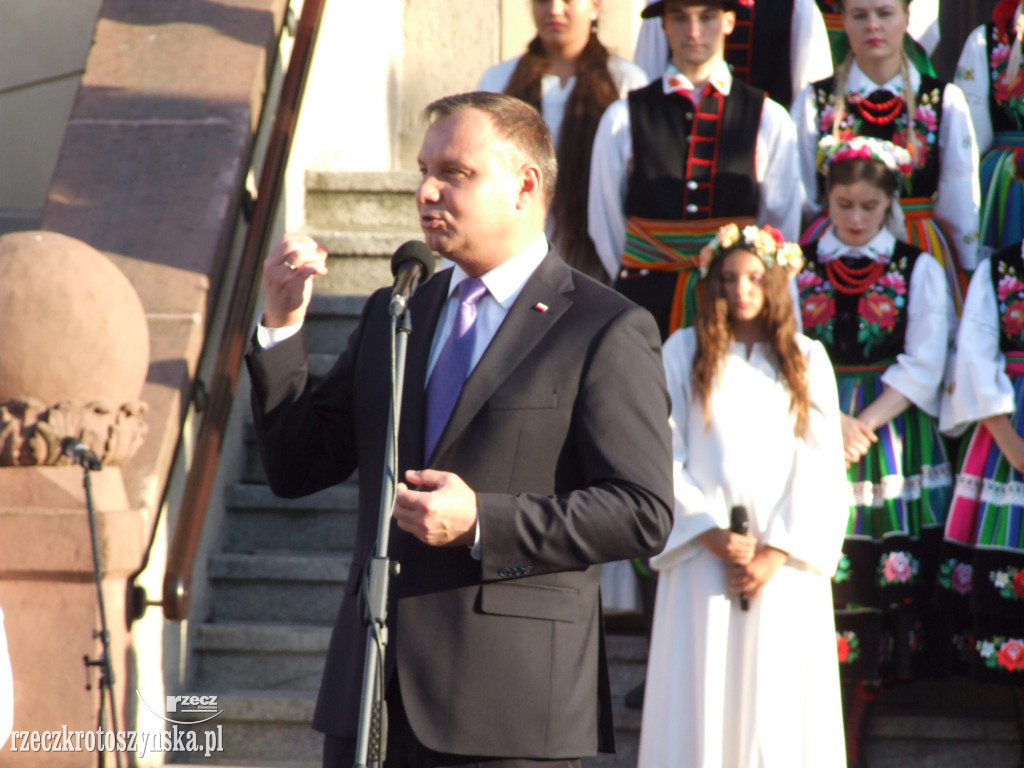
853	280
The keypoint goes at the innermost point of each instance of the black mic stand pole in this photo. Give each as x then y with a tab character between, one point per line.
371	738
106	670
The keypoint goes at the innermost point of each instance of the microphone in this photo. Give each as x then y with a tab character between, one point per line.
412	264
739	522
80	453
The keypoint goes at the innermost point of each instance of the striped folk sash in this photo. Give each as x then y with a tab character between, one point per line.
926	233
1009	141
657	245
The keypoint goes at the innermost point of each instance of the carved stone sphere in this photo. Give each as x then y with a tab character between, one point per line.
72	326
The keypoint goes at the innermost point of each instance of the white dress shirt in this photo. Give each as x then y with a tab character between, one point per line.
504	284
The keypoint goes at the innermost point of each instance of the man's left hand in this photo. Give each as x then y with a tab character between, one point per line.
442	513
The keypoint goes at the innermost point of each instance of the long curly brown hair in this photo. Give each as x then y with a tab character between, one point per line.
594	91
715	335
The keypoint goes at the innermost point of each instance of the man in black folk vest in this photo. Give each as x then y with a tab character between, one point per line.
675	160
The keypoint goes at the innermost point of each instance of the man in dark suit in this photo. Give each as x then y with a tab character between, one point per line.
555	458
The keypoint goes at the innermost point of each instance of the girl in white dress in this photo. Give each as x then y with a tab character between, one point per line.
743	669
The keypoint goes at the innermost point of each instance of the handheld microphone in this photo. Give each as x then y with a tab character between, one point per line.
80	453
412	264
739	522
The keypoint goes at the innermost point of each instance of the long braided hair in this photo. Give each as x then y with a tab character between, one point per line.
909	96
593	92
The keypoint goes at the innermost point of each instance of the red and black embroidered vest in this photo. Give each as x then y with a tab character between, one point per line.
860	328
693	163
1005	104
1007	274
925	123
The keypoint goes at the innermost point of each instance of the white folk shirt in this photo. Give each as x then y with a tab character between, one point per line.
979	386
626	75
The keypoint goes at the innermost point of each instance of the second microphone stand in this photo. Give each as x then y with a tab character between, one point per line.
88	461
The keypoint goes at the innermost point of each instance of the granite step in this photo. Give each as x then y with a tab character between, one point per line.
291	587
361	200
261	728
283	656
331	320
258	521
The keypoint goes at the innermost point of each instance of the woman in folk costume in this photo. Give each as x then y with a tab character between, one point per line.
981	574
742	668
919	43
877	93
570	78
991	74
883	310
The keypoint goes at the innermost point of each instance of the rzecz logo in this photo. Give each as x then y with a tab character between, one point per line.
195	709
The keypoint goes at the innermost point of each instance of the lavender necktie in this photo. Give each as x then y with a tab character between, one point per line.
452	365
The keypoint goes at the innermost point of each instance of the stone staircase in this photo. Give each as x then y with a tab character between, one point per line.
276	583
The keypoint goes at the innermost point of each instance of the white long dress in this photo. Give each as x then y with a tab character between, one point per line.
755	689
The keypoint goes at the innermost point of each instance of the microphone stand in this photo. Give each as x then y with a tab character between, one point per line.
371	738
103	662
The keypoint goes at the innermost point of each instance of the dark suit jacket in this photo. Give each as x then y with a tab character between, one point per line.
562	430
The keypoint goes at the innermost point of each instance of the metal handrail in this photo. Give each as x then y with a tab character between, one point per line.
188	530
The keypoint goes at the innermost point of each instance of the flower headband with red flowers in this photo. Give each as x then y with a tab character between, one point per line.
766	243
831	151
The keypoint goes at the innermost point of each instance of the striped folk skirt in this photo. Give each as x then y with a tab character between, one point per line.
981	573
899	496
1002	196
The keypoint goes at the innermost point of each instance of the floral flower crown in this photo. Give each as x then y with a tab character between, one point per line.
767	244
831	151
